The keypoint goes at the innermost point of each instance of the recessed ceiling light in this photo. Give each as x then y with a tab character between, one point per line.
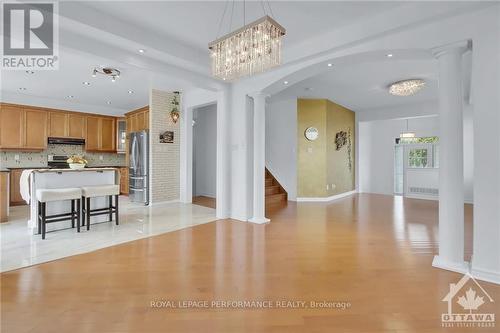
389	55
141	50
285	82
109	102
330	65
22	88
130	91
70	96
86	83
30	72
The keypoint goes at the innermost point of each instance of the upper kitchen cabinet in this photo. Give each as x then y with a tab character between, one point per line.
121	135
76	125
66	125
23	128
58	124
138	120
36	129
101	134
11	126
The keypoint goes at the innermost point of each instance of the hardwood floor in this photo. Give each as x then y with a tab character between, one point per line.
372	251
204	201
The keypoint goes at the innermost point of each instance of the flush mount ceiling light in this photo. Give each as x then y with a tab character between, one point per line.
330	65
141	50
70	96
107	71
22	88
86	83
407	134
406	87
390	55
251	49
130	91
30	72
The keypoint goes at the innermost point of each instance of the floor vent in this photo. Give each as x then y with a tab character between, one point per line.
424	190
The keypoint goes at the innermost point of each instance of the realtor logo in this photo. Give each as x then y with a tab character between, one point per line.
465	299
30	36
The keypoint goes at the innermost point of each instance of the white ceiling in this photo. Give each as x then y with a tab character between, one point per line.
364	86
176	33
196	23
54	87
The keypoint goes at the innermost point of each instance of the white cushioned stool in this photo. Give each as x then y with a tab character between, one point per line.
58	194
109	191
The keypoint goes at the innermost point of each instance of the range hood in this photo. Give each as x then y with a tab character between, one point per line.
66	141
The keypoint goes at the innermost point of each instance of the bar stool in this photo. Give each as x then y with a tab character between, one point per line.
49	195
100	191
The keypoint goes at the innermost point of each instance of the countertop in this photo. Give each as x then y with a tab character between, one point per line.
4	170
74	170
42	168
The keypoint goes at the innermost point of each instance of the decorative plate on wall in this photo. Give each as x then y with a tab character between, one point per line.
311	133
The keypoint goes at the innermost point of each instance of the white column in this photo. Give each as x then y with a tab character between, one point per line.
451	174
259	158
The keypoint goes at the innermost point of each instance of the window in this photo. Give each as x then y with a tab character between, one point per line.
420	152
417	158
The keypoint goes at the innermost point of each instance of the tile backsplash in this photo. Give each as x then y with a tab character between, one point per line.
39	159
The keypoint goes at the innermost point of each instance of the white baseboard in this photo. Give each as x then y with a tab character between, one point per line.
326	199
262	220
459	267
485	275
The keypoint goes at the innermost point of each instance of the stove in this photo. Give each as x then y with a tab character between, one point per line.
57	161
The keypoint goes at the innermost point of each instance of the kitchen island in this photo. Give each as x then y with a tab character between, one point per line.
65	178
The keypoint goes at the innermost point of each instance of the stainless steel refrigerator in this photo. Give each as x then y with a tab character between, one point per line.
139	167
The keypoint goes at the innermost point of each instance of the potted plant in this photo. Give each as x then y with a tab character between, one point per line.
76	162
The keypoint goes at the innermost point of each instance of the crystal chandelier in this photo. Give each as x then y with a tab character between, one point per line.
252	49
406	87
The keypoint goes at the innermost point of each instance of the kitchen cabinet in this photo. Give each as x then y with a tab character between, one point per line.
15	193
124	180
108	134
121	135
23	128
101	135
92	137
138	120
11	129
4	195
76	125
36	129
58	124
66	125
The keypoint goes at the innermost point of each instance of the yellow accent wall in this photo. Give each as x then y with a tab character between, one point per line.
318	162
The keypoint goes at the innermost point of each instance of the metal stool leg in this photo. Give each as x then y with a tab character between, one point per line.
83	211
87	212
44	205
110	206
116	210
38	218
78	213
72	213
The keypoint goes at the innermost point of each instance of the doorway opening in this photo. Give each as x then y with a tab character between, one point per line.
205	156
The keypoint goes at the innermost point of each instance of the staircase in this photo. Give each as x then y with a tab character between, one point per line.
275	193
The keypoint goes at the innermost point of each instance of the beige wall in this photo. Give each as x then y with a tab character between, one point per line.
339	175
165	157
318	162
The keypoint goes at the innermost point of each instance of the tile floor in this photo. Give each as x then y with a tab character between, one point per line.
20	249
